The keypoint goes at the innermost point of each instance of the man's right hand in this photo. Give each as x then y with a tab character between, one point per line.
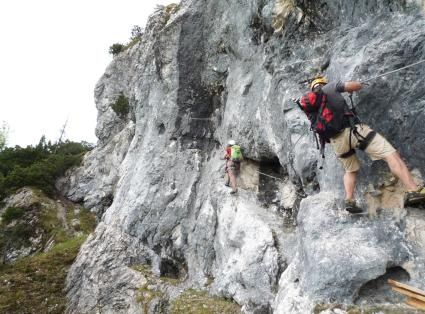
353	86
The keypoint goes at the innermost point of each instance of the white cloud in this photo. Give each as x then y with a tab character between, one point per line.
52	54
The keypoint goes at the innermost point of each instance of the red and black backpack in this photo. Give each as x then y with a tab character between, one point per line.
324	121
327	121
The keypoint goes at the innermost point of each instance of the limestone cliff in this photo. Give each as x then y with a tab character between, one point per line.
208	71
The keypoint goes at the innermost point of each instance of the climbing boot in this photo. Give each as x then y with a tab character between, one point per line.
351	207
415	197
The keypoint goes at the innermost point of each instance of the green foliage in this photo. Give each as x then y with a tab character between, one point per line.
121	106
189	302
116	48
38	166
199	302
132	42
12	213
36	284
14	236
87	221
4	131
136	36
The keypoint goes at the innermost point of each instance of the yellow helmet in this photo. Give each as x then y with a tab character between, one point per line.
318	80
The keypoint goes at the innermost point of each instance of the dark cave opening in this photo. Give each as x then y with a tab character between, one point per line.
169	268
378	291
271	173
161	128
276	189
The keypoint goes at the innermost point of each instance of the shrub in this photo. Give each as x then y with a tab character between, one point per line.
121	106
116	48
12	213
136	36
4	130
38	166
136	32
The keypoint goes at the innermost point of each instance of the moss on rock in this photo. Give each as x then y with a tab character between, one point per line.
199	302
36	284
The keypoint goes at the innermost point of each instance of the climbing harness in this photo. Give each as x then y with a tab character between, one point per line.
354	121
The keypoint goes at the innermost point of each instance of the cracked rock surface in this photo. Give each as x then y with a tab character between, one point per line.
209	71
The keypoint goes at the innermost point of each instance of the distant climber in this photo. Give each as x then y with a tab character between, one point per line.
334	122
233	157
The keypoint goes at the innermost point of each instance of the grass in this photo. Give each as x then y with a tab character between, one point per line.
35	284
18	225
86	220
132	43
189	302
147	293
199	302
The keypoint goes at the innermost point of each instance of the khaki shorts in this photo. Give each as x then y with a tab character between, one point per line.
378	148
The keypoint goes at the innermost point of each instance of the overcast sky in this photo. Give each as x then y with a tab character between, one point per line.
51	55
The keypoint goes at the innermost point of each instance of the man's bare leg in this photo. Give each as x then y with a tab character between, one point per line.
350	179
232	177
399	169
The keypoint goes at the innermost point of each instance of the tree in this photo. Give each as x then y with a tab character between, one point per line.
121	106
115	49
4	132
136	32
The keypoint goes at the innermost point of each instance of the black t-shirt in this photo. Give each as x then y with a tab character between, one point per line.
333	92
336	102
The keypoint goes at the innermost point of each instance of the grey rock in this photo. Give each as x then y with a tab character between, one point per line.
33	227
216	70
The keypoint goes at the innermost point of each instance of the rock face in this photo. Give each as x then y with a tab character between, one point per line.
208	71
32	222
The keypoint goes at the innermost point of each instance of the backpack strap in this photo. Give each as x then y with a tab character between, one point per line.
320	102
353	107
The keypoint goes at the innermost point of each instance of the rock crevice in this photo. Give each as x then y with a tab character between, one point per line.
215	70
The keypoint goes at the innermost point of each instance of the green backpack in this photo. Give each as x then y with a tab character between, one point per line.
236	154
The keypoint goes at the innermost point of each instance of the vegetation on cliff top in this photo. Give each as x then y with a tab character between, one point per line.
38	166
39	236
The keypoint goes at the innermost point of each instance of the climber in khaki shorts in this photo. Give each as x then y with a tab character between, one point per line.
379	148
360	136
